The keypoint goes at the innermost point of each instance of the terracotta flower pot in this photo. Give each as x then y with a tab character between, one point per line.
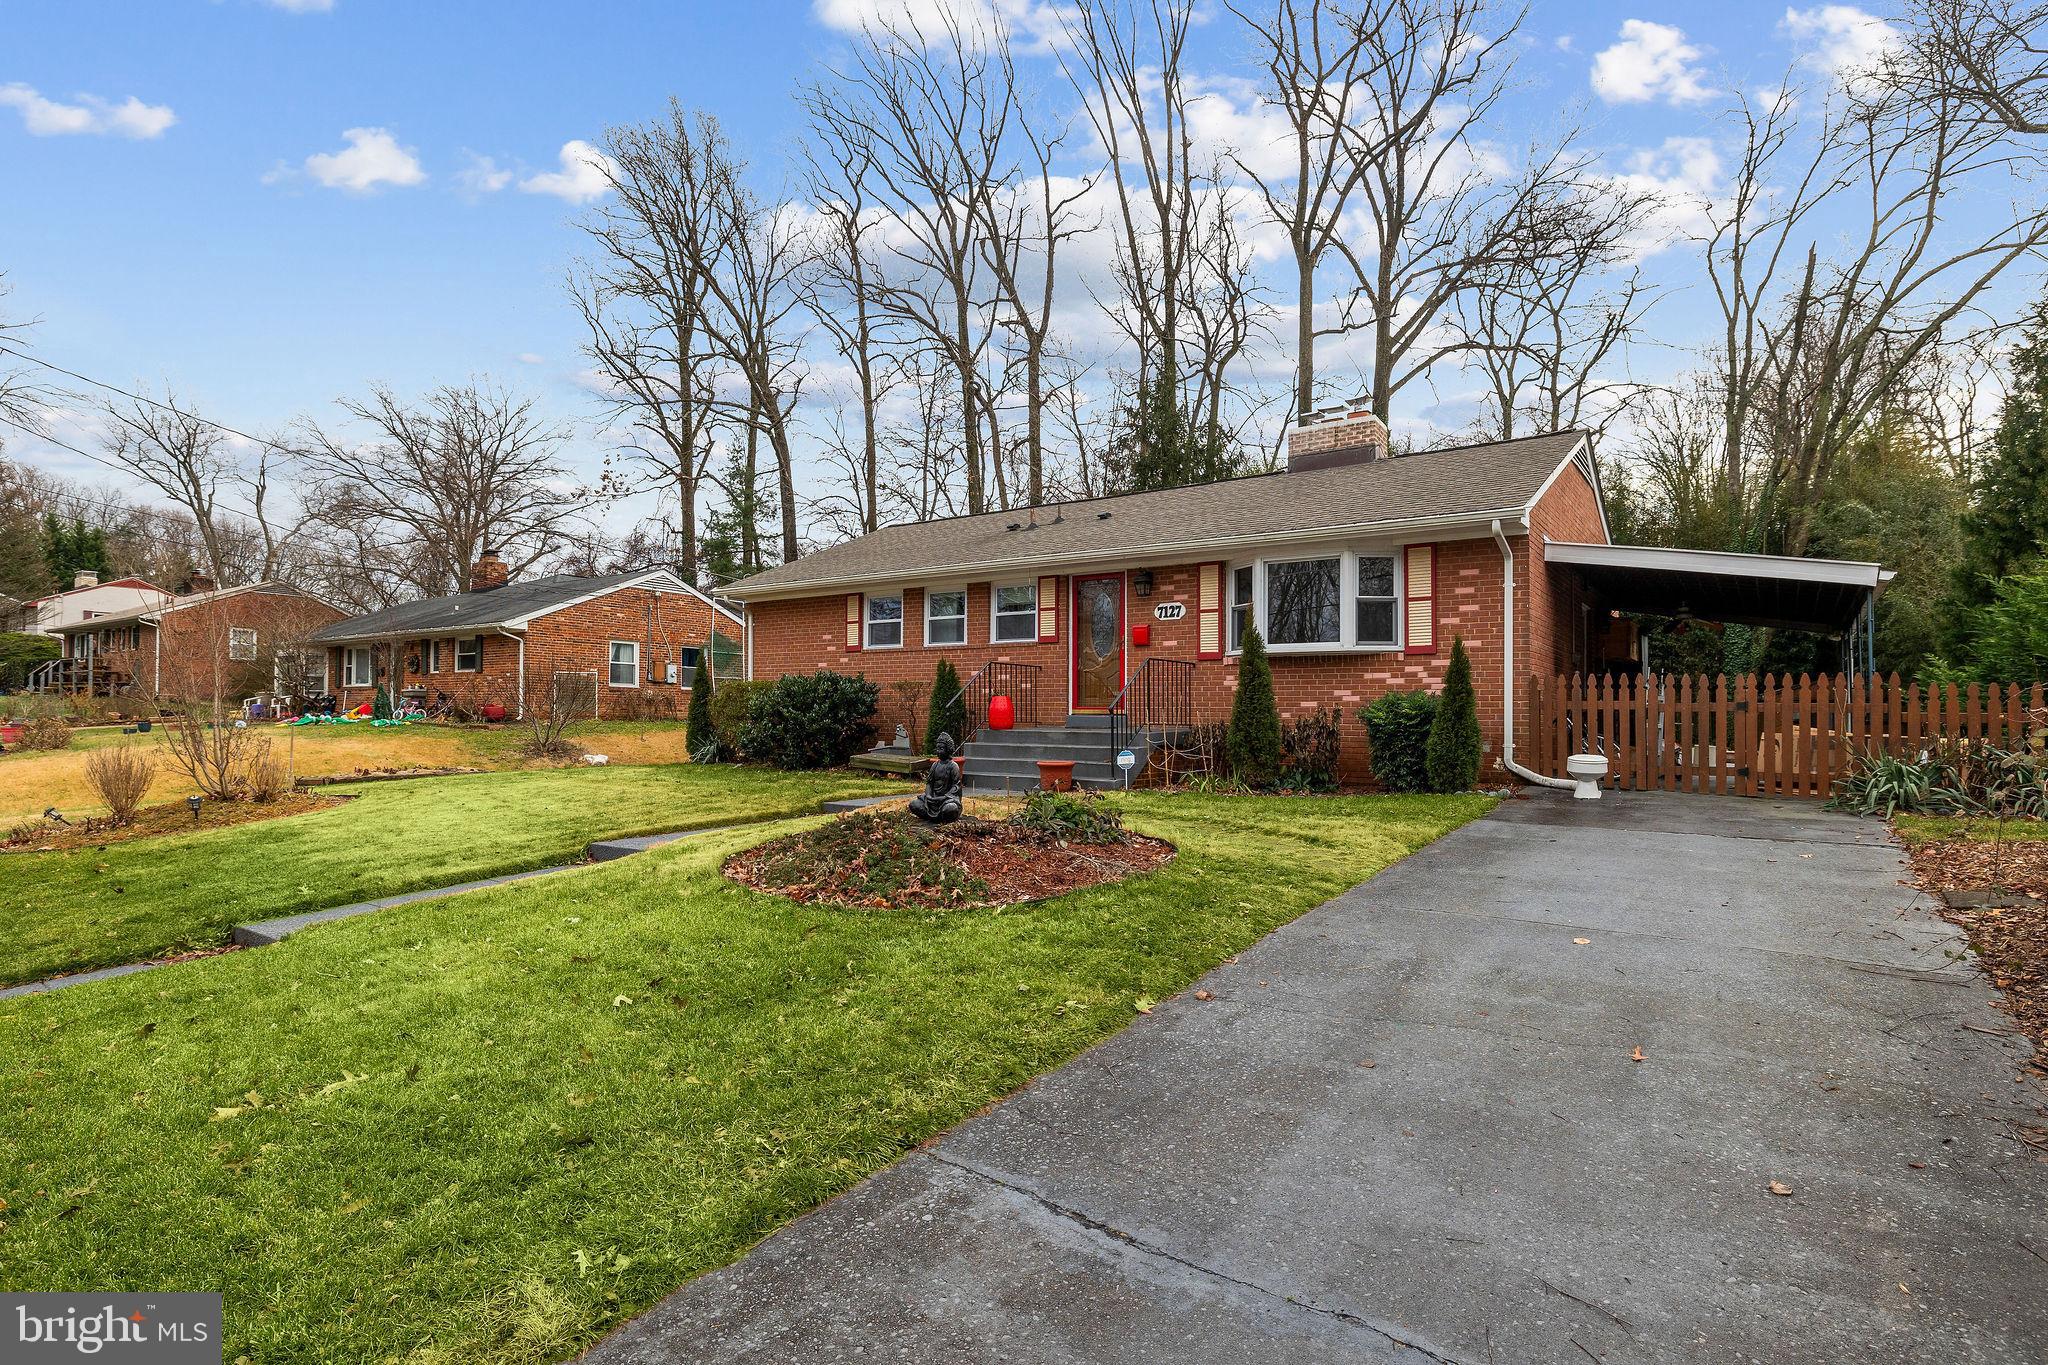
1056	774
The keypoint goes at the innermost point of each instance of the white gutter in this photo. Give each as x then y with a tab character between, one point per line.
1507	670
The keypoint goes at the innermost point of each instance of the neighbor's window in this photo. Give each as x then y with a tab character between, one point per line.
355	668
1016	614
945	618
1302	602
1240	604
625	664
241	643
433	656
885	622
469	654
686	665
1376	614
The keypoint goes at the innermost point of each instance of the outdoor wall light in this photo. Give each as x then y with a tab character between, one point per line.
1141	582
192	804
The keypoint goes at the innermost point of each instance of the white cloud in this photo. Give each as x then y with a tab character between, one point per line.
302	6
1839	39
372	159
50	118
483	175
1650	62
1683	173
585	175
1038	24
529	358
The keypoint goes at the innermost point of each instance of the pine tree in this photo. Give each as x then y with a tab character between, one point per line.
1253	740
2008	527
380	704
947	713
1453	755
698	730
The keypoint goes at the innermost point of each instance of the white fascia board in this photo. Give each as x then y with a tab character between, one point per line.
1722	563
1466	525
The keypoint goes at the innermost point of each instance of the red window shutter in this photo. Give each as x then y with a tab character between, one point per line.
856	620
1209	611
1048	609
1420	585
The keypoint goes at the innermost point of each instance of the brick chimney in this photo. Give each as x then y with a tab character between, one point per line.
197	584
1344	435
490	572
86	578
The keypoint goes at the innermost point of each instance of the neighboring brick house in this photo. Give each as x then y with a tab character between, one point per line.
623	645
200	643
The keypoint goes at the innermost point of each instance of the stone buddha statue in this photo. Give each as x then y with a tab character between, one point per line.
940	802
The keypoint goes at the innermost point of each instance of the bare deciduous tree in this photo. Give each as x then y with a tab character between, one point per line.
182	456
430	486
1986	55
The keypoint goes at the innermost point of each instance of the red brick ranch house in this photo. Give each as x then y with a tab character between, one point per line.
197	644
1358	567
623	645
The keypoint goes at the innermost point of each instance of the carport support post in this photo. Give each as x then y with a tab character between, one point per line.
1870	635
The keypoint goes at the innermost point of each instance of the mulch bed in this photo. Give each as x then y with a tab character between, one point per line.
892	862
382	775
172	817
2010	938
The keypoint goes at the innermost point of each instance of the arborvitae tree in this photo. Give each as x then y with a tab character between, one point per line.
1157	446
948	710
698	730
2007	528
69	547
380	704
1253	740
1453	757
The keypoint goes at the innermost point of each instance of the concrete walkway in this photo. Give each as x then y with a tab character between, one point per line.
1409	1128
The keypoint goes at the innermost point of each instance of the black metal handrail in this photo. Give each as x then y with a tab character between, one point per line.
999	678
1159	696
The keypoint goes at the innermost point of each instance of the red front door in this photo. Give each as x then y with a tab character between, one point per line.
1098	641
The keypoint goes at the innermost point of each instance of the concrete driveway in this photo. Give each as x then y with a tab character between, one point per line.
1410	1128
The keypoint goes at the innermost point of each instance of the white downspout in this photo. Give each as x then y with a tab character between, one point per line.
747	625
1507	670
521	695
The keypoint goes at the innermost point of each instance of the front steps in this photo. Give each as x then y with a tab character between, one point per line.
1007	760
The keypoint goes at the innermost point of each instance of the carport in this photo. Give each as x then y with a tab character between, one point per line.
1835	597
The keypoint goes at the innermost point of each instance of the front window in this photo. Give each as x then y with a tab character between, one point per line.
625	664
355	668
1240	604
241	644
1302	606
945	618
885	622
1376	612
469	654
1016	614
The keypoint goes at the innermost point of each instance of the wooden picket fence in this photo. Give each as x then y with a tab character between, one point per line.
1760	736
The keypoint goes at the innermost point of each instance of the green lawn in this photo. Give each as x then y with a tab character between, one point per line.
488	1129
1926	829
66	911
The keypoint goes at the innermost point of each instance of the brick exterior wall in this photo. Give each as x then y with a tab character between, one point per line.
195	645
804	634
573	640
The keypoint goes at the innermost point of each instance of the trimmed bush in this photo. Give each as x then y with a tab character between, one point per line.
1397	725
810	720
1309	748
947	713
1453	753
698	730
730	701
1253	739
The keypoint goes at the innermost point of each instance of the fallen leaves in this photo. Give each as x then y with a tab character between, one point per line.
1780	1188
1143	1004
1582	942
1204	995
1637	1056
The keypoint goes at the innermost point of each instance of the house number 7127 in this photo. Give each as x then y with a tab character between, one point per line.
1170	611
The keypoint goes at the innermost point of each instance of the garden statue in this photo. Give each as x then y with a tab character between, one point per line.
940	803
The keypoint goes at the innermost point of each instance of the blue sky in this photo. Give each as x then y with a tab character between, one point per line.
166	224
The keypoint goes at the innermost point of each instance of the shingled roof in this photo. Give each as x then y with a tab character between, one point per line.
507	608
1462	483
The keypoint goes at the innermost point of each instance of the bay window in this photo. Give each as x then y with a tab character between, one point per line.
945	617
1015	618
1316	603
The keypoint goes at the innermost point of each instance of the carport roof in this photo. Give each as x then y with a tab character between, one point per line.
1825	595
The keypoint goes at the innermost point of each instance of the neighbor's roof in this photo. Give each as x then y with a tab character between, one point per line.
506	608
1719	585
191	599
95	587
1428	488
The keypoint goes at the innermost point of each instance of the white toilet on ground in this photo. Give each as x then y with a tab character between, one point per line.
1586	770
